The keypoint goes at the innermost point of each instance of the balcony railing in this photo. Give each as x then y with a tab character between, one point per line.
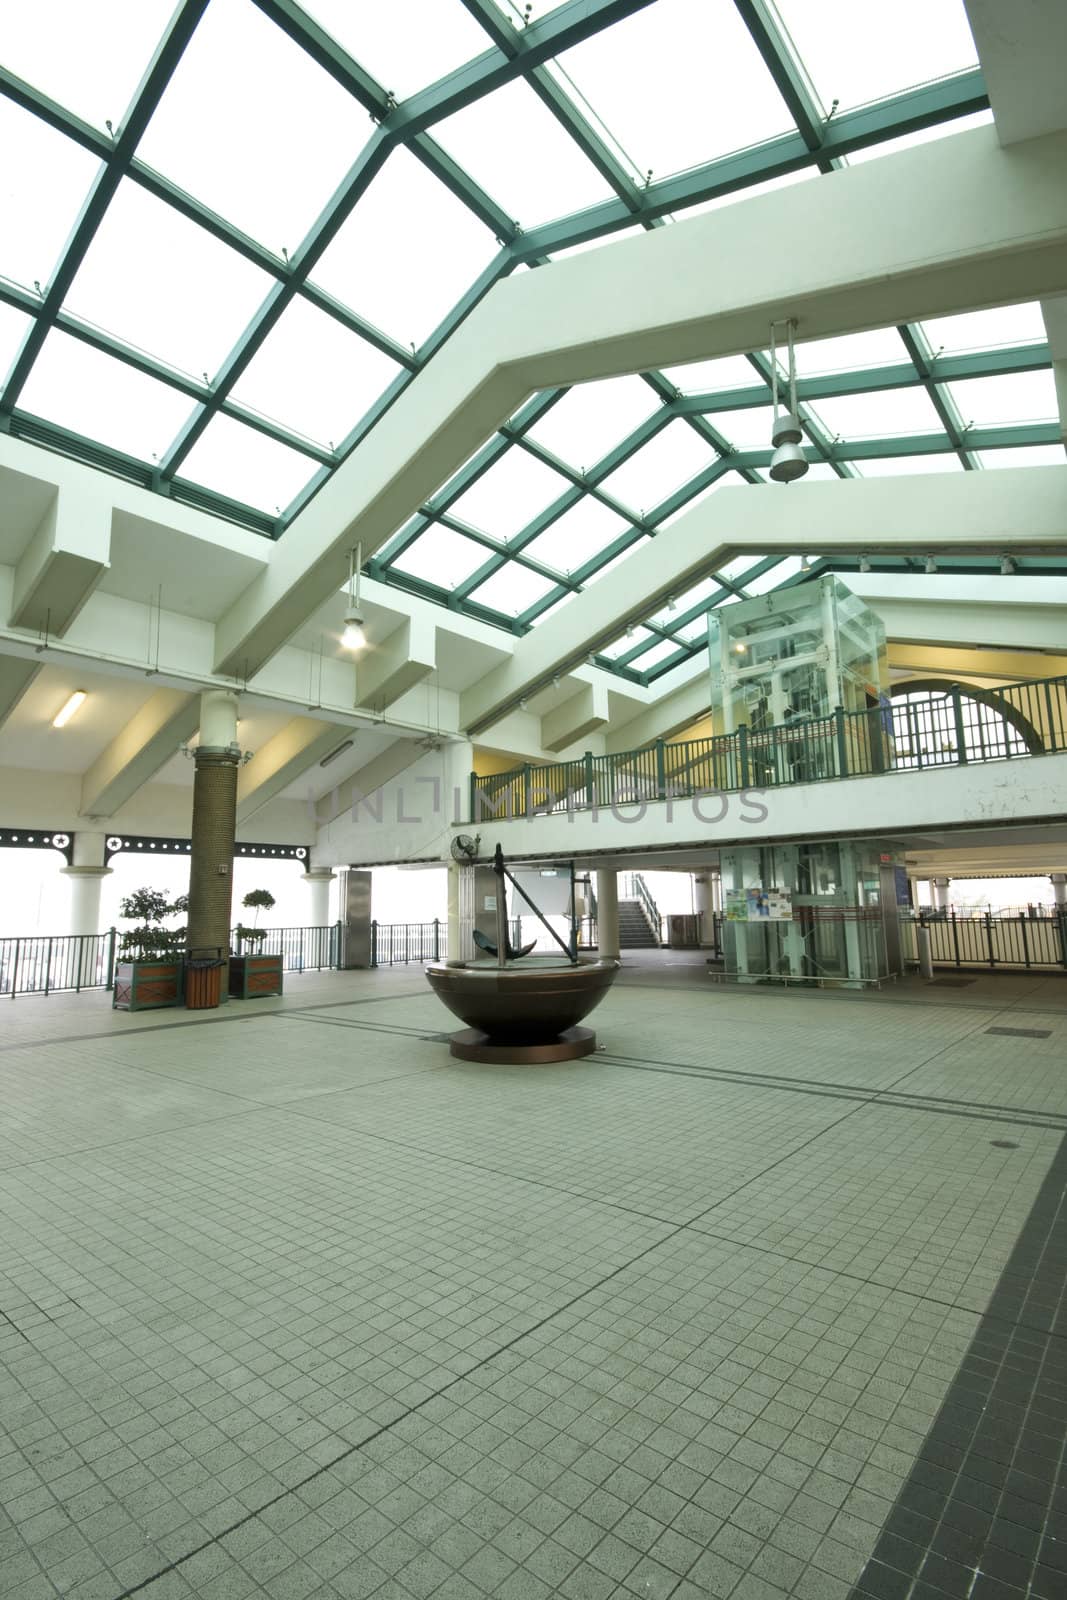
955	729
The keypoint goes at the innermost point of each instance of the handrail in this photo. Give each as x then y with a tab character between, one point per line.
644	898
1012	722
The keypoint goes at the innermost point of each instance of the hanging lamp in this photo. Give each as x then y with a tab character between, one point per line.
353	637
789	461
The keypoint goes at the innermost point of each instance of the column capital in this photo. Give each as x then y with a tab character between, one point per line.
86	872
318	875
1057	877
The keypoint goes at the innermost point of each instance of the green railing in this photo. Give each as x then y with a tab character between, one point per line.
955	728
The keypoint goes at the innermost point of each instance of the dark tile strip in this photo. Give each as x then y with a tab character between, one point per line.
983	1513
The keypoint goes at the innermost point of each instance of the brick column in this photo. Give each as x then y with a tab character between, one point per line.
214	825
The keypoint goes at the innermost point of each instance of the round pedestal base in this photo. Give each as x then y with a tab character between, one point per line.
471	1044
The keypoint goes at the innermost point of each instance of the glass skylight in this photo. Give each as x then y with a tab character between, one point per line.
165	284
879	415
56	46
247	466
265	147
512	590
852	64
788	567
14	326
908	466
33	235
513	490
626	642
747	429
442	556
578	536
708	91
985	330
1011	397
95	395
880	347
513	146
711	377
407	253
1033	455
314	375
405	46
675	454
592	418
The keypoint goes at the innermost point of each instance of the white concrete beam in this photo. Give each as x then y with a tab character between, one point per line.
15	678
1022	45
1001	626
65	559
953	225
928	513
301	744
407	657
583	714
667	717
166	720
367	781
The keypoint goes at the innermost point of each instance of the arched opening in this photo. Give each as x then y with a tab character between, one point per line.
926	731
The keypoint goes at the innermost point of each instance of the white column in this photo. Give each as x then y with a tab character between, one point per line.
704	899
607	915
453	941
318	880
1059	887
86	876
939	890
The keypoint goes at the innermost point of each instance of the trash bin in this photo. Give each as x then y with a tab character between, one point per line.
203	980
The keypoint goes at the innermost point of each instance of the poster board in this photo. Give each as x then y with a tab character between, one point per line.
759	905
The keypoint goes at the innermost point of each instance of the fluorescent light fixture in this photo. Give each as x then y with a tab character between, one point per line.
340	750
62	717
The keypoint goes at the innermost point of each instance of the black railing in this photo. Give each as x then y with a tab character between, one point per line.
393	943
954	729
301	949
987	940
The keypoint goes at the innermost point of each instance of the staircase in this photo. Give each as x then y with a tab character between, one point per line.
638	916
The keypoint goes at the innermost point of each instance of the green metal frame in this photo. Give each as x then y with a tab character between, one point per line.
821	140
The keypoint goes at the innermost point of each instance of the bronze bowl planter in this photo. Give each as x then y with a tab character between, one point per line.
526	1013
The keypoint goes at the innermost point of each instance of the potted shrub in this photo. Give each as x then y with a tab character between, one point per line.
148	972
251	972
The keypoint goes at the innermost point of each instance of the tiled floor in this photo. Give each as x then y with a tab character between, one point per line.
761	1300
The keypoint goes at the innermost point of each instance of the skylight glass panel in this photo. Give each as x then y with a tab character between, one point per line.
1027	455
512	145
88	56
879	415
714	377
509	495
162	283
733	569
667	615
676	84
661	651
626	642
314	375
511	590
404	46
253	127
577	537
695	632
245	465
407	253
852	61
1012	397
14	326
676	454
909	466
592	418
785	569
748	428
93	394
39	163
986	330
879	347
442	556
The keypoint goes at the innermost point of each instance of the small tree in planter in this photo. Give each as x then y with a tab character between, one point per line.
251	973
149	970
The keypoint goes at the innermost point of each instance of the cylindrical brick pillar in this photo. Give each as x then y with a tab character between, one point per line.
214	825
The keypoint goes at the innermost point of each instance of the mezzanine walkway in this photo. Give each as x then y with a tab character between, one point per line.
762	1300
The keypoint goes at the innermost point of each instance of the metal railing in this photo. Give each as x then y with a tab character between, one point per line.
393	943
954	729
632	886
987	940
67	963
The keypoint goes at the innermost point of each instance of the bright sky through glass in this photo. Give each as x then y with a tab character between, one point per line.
856	51
673	456
405	46
89	55
577	536
32	234
92	393
506	496
442	556
592	418
245	465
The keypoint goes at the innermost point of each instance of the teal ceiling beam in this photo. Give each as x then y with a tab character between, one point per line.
789	77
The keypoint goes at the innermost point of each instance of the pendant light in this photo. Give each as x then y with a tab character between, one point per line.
353	637
789	461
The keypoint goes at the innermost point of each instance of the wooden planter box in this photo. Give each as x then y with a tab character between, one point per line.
253	976
145	985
